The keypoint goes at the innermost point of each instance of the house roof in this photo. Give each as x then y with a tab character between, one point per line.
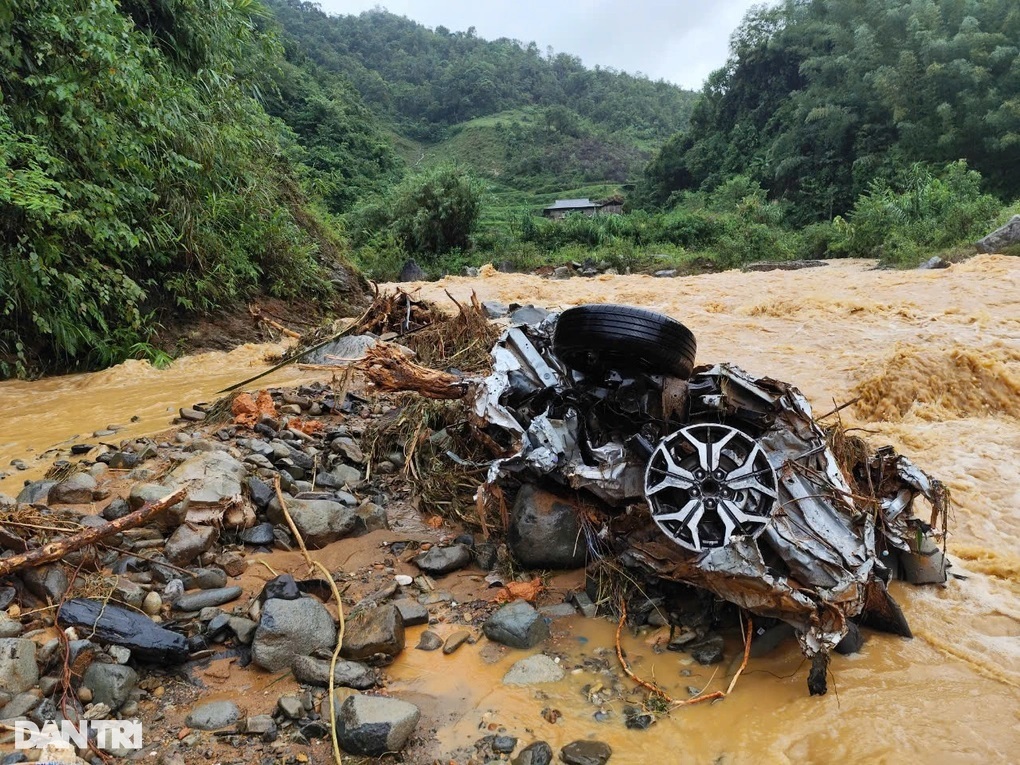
571	204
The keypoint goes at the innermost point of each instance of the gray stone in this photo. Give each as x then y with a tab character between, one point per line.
243	628
558	610
934	263
346	476
429	641
191	415
21	705
18	670
517	625
534	670
528	314
537	753
212	478
117	508
36	492
290	706
128	592
412	613
348	674
291	628
261	535
371	517
9	628
205	579
196	601
374	725
374	631
708	650
337	352
504	744
667	273
411	272
261	725
142	493
545	532
443	560
46	582
586	753
152	603
188	542
320	522
111	684
74	490
1003	237
214	715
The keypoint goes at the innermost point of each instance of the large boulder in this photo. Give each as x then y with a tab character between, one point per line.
374	725
1001	238
320	521
212	478
372	632
545	531
291	628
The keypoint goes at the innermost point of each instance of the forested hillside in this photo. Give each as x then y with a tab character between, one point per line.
823	98
140	177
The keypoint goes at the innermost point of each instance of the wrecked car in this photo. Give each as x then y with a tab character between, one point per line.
713	477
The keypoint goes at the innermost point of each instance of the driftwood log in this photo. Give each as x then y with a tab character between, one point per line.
57	550
388	369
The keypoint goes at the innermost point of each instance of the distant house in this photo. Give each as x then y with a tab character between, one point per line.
561	207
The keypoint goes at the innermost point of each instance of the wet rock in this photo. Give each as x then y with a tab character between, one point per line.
214	715
110	623
586	753
637	719
243	628
232	562
7	596
319	521
111	684
282	587
504	744
934	263
213	478
74	490
117	508
455	641
411	272
1002	238
374	725
345	476
517	625
371	517
291	628
770	639
188	542
534	670
443	560
558	610
709	650
412	613
191	415
348	674
128	592
374	631
196	601
290	707
205	579
36	493
528	314
260	492
783	265
429	641
46	582
18	670
260	535
123	461
545	531
144	493
350	347
667	273
537	753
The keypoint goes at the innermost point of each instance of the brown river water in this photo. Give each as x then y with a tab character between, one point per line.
934	357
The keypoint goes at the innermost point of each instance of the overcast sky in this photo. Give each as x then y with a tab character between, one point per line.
681	41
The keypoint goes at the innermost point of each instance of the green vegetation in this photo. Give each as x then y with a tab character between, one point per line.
139	176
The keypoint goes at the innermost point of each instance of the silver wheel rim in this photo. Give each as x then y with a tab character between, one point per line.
708	485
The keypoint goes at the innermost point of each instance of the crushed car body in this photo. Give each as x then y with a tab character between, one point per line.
711	476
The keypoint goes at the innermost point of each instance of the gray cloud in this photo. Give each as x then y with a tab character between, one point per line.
680	41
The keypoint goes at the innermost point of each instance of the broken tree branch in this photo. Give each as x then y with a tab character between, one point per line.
56	550
390	370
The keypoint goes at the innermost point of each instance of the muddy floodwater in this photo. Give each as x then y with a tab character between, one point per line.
933	360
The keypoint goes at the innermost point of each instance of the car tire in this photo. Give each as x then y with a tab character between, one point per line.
603	337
